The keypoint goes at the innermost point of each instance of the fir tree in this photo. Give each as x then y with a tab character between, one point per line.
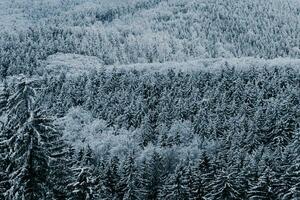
151	177
84	185
176	187
129	179
28	153
224	187
111	179
263	188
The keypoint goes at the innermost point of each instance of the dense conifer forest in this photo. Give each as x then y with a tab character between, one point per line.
149	100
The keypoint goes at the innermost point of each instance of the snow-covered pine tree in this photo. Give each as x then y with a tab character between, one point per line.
4	184
111	179
4	95
292	174
175	187
151	176
61	163
28	153
31	140
147	132
83	186
262	190
224	187
198	190
129	178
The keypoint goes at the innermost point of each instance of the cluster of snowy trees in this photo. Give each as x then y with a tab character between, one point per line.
117	134
130	134
151	31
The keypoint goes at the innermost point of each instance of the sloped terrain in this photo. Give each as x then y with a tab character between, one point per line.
151	31
149	99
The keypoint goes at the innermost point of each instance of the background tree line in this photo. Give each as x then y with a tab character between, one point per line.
124	33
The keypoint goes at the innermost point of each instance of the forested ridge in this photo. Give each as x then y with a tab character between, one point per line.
150	31
110	133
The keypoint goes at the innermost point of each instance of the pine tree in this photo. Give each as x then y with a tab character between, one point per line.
4	95
175	187
84	186
292	174
27	139
4	161
81	187
151	177
224	187
61	163
111	179
262	190
129	178
147	132
208	171
197	190
293	193
292	177
31	140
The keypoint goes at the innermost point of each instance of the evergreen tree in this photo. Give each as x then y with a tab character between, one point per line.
224	187
197	188
4	95
151	177
31	141
61	163
84	185
147	132
111	179
4	161
176	187
129	179
263	188
27	138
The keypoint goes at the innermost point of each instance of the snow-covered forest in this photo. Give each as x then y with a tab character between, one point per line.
149	100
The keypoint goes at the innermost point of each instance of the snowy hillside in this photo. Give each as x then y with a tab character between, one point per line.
119	32
149	99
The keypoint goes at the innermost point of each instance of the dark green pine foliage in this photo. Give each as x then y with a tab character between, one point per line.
224	187
4	159
208	171
189	180
197	188
176	187
83	187
31	147
291	176
147	132
4	95
111	179
262	189
129	179
28	155
61	162
151	176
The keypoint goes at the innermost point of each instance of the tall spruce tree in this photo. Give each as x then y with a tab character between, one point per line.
28	167
129	179
151	177
4	161
83	185
176	187
30	140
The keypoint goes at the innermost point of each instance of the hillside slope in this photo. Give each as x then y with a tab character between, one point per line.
119	32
